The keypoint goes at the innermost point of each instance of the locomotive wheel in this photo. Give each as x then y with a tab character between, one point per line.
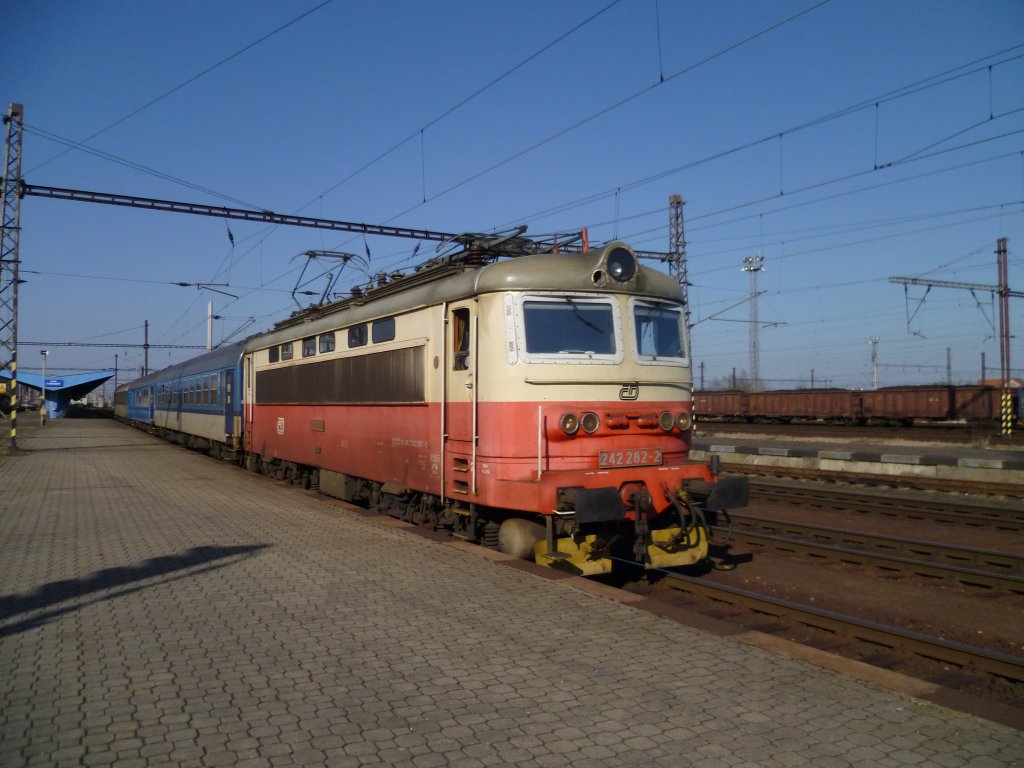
518	537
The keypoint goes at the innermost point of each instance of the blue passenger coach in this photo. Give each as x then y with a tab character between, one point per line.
197	403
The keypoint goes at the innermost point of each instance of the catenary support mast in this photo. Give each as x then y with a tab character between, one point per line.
1002	289
10	222
677	249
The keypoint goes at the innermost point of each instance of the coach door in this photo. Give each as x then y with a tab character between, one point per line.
461	374
227	391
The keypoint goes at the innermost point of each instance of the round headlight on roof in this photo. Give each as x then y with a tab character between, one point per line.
621	264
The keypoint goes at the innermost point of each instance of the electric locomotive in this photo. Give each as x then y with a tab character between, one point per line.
540	404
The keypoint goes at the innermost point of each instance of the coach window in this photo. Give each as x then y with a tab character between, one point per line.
214	389
384	330
327	342
460	340
273	355
357	336
309	346
286	351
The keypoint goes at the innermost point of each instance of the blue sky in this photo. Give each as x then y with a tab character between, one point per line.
852	142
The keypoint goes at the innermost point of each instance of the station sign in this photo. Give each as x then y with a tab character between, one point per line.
54	383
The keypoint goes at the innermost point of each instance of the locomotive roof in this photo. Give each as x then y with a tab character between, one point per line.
457	280
219	359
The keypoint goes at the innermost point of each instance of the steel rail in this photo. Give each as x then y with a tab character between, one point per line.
958	654
906	482
864	549
885	503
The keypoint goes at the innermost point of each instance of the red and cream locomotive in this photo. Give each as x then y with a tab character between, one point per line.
540	404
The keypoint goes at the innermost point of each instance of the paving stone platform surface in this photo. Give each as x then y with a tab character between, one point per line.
160	608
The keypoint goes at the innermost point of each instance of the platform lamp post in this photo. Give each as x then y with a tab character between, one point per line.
42	400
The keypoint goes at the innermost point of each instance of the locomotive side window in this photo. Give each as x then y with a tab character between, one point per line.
357	336
569	326
286	351
273	354
309	346
658	331
327	342
460	339
384	330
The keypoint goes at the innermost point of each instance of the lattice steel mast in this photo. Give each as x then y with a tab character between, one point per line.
10	230
1002	289
753	265
677	250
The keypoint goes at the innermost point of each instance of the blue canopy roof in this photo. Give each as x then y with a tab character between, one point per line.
61	390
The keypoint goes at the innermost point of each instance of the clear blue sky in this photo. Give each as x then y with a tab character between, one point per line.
854	142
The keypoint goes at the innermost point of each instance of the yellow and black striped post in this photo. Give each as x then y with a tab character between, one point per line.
1007	413
14	403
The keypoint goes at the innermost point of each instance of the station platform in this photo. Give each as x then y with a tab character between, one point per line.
935	459
158	607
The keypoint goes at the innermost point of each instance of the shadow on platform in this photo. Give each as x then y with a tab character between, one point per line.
123	580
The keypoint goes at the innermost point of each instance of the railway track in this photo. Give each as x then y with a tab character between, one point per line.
885	640
950	434
971	567
947	509
906	482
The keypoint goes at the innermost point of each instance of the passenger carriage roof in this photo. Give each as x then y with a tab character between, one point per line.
217	360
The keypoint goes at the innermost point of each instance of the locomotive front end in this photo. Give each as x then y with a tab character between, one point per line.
601	354
644	501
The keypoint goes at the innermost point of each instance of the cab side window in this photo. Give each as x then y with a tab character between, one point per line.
460	340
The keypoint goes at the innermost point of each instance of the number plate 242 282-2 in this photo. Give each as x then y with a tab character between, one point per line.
632	457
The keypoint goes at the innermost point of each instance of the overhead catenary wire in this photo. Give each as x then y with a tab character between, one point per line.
383	255
188	81
620	103
419	132
897	93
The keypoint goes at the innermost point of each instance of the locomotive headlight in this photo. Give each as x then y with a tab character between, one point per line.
666	421
569	423
683	421
590	422
621	264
